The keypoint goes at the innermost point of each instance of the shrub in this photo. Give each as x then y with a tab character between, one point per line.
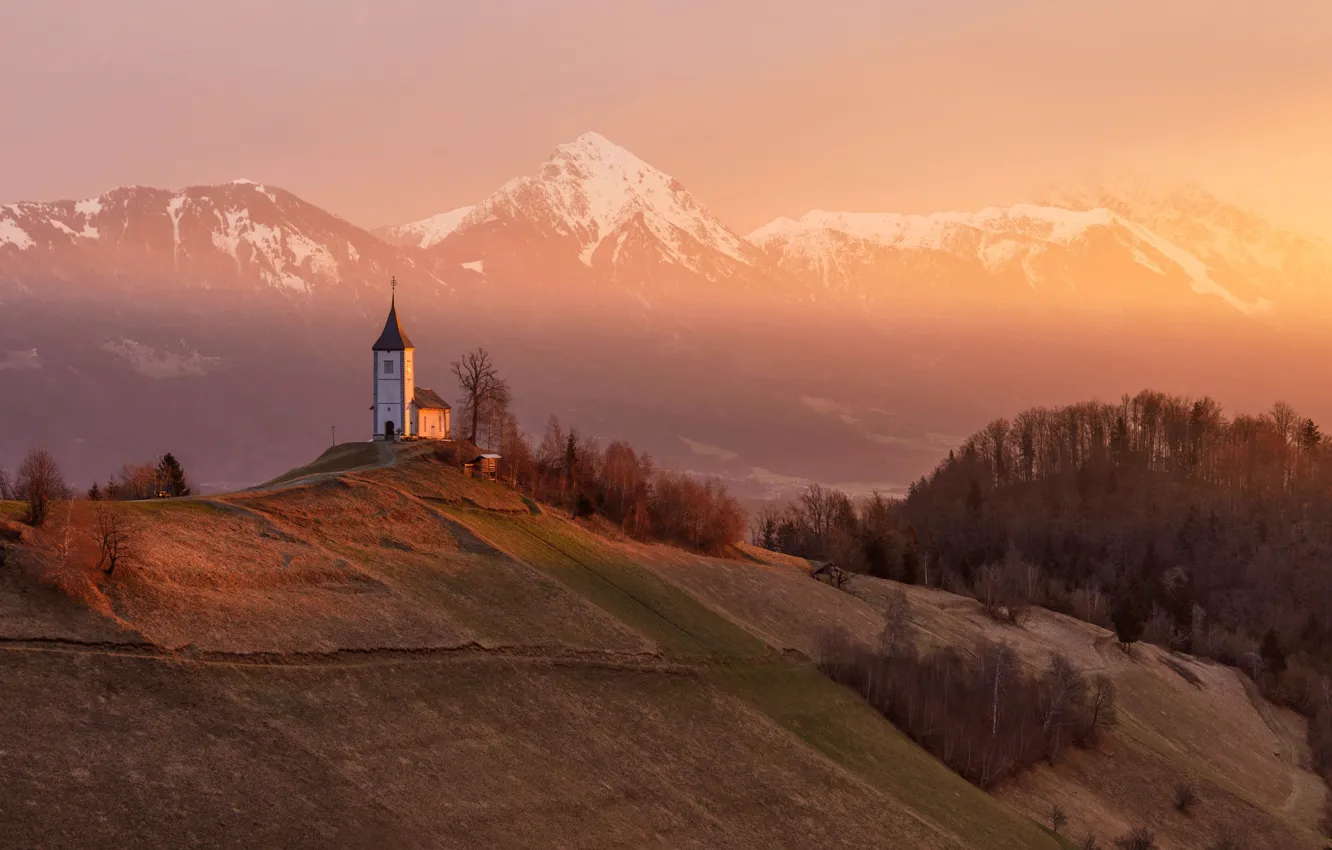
1089	843
1058	819
1186	797
1140	838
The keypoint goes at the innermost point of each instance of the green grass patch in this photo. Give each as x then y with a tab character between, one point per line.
631	593
11	509
840	725
339	458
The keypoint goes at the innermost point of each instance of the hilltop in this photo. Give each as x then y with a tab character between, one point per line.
377	654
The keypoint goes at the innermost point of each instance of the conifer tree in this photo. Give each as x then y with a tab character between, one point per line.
171	477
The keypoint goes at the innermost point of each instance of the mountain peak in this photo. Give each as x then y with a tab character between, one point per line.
594	192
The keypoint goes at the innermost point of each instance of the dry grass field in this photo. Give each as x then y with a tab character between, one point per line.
374	655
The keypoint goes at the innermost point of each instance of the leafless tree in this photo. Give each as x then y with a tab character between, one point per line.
58	544
6	487
134	482
481	386
39	483
116	534
1058	819
896	633
1101	705
764	526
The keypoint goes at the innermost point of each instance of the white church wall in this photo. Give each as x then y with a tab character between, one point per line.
389	392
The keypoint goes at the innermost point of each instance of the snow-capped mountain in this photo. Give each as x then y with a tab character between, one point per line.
1081	251
239	235
596	212
1236	244
426	232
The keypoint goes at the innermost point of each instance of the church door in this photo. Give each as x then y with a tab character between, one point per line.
388	430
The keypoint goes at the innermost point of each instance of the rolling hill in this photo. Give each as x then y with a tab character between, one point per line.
396	654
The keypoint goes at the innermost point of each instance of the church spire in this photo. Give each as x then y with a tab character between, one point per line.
393	338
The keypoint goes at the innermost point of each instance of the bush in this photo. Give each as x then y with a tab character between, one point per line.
1186	797
1089	843
1058	819
1137	839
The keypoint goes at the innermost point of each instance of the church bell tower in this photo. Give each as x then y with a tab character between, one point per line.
393	380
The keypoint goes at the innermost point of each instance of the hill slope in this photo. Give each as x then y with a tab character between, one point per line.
432	660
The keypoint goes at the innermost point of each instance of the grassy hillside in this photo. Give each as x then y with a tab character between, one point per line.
399	656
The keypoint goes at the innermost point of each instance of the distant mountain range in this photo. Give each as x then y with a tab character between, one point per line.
240	305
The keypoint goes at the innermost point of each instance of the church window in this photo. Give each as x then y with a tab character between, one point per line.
388	367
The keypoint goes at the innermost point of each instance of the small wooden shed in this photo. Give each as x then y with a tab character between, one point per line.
483	466
829	572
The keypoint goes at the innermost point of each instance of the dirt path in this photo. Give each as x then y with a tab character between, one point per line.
647	661
1307	791
387	457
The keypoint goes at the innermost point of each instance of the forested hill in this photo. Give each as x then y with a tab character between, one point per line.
1204	532
1225	522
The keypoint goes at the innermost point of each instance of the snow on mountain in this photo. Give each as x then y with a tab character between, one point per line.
239	234
595	204
1046	246
426	232
1226	237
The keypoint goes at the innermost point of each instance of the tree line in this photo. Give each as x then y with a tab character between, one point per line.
1158	516
579	473
981	713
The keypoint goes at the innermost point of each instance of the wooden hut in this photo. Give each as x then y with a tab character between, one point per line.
829	573
483	466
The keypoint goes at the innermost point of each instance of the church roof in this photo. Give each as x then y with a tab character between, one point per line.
429	399
393	338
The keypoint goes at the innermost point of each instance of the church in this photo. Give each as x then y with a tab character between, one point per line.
402	410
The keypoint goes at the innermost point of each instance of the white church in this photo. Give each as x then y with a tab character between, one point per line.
402	410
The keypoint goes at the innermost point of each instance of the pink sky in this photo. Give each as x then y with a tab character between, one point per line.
391	110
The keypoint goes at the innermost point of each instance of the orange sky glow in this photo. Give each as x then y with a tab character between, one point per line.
389	111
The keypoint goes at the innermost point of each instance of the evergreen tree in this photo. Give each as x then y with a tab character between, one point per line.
1274	656
1130	612
95	493
171	477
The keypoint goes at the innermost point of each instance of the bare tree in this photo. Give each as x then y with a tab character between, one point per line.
116	534
896	634
1058	819
1101	706
39	483
481	387
6	487
57	544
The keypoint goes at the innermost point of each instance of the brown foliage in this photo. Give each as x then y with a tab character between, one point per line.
982	715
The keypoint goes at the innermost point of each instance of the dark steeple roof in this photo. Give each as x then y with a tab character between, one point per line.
392	339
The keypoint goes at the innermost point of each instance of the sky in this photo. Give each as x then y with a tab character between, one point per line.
385	111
